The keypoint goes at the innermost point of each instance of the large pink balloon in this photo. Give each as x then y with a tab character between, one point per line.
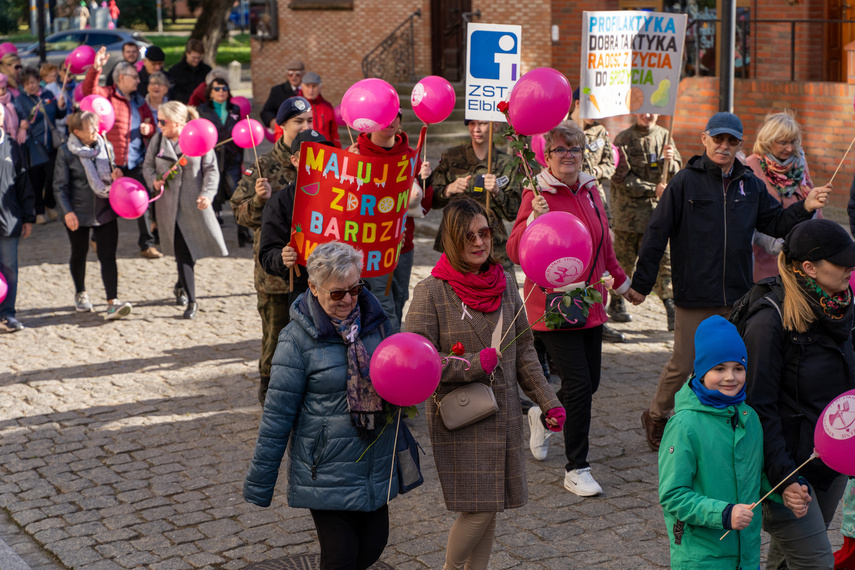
197	137
270	135
370	105
244	105
78	93
247	134
337	112
433	99
79	59
7	47
538	146
555	250
539	101
405	369
834	435
4	287
101	107
128	198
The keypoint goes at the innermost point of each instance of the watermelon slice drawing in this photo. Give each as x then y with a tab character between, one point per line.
311	189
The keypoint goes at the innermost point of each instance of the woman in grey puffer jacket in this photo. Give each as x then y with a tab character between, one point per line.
322	400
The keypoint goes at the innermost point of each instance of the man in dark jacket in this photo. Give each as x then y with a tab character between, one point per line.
188	73
17	215
709	211
282	92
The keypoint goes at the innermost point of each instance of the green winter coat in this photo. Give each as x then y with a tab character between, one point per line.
704	465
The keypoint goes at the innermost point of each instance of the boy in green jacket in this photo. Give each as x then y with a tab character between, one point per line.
711	459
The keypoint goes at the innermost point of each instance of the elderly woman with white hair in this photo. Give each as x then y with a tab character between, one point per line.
322	401
187	225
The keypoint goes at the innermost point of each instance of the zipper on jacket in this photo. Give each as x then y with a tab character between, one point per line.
724	257
318	450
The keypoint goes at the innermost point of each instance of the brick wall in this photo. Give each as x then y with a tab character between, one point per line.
536	27
567	15
770	43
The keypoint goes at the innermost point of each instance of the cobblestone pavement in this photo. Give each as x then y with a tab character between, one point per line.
125	444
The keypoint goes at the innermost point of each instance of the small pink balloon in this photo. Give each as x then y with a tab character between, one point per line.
270	135
405	369
834	435
538	145
247	133
7	47
433	99
4	287
370	105
79	59
244	105
78	93
539	101
555	250
337	112
615	155
198	137
128	198
139	65
101	107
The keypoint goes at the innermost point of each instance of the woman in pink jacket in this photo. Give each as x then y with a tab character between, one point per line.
576	352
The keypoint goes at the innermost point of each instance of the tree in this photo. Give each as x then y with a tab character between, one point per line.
211	26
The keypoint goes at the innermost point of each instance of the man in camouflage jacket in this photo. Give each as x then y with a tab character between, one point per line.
636	187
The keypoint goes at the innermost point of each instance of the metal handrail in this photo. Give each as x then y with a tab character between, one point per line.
394	59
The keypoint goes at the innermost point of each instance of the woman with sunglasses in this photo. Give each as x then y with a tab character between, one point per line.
321	400
575	351
224	114
10	65
779	161
187	225
470	300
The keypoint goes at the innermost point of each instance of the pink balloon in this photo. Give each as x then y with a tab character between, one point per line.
405	369
370	105
244	105
79	59
615	155
197	137
555	250
433	99
538	145
539	101
128	198
247	135
101	107
337	112
834	435
7	47
139	65
78	93
270	135
4	287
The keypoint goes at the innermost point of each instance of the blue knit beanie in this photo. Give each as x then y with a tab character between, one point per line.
717	341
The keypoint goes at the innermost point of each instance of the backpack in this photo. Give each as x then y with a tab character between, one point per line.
767	288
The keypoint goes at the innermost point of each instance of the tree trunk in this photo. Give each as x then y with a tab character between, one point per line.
211	26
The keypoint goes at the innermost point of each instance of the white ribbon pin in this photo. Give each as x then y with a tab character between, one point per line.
465	312
351	336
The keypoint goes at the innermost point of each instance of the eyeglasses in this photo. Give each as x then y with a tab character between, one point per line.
485	233
791	143
16	66
731	140
562	152
293	73
339	295
161	123
222	88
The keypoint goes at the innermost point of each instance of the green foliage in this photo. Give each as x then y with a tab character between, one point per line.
231	49
10	13
588	296
138	12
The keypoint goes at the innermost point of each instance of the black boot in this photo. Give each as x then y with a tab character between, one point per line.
263	382
671	312
611	335
180	296
191	311
617	310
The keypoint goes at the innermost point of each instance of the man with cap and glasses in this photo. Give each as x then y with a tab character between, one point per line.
709	211
281	93
271	173
152	63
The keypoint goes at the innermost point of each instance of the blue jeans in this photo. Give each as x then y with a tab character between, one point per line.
9	268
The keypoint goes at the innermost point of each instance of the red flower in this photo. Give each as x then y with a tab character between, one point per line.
458	349
183	161
503	107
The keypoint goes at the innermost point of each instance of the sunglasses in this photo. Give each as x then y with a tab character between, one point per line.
293	73
562	152
339	295
161	123
15	66
222	88
731	140
485	233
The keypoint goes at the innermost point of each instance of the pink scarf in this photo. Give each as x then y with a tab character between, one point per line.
482	292
10	117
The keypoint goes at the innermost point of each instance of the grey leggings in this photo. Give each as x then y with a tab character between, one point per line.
470	541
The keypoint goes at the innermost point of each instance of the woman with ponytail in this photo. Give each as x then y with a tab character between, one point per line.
188	226
799	341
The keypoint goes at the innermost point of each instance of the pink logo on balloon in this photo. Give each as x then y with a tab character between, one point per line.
418	94
832	436
564	271
433	99
366	125
101	107
838	418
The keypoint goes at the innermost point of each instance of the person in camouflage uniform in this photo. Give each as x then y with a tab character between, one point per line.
635	191
462	170
251	194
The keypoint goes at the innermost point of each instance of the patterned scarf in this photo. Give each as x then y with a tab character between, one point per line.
833	306
788	176
365	405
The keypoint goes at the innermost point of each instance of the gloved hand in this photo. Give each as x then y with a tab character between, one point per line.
559	415
489	359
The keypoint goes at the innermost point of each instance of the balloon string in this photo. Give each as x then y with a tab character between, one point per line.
350	134
445	360
394	455
517	315
252	139
841	161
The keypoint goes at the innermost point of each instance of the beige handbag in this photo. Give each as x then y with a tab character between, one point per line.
473	402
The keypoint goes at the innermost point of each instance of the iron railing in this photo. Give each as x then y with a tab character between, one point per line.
394	59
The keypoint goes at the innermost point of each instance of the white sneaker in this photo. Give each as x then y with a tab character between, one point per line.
117	310
82	303
539	440
581	482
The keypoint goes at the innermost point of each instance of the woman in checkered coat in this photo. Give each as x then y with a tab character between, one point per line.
481	467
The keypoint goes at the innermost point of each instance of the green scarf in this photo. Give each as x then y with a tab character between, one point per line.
834	306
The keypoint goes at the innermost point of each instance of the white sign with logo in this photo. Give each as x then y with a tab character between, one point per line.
492	68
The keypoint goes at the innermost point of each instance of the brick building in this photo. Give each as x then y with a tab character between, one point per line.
795	62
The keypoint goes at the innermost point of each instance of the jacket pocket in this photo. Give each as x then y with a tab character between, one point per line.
318	452
700	206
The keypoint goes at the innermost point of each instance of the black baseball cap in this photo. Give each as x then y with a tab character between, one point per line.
310	135
154	53
816	240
